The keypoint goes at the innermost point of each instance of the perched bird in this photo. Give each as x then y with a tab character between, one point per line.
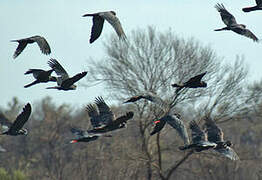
254	8
41	41
216	135
231	23
194	82
64	82
98	22
41	76
104	120
16	128
199	139
170	117
84	136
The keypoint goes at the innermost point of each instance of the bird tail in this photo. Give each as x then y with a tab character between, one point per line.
31	84
222	29
248	9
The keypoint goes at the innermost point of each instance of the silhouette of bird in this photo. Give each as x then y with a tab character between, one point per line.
150	97
84	136
170	117
41	76
216	135
194	82
104	120
199	139
16	128
254	8
231	23
64	82
41	41
98	22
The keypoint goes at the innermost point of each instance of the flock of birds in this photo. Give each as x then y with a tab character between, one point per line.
102	118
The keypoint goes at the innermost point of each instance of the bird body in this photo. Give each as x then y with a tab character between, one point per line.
64	82
22	43
41	76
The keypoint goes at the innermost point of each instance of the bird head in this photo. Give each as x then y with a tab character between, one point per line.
243	25
73	87
23	132
228	143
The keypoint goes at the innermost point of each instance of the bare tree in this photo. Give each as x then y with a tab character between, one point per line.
150	62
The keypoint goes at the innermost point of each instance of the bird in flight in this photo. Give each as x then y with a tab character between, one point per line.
22	43
216	135
199	139
231	23
16	128
258	6
41	76
64	82
98	23
194	82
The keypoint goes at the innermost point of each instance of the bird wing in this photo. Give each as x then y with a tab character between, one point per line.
229	153
124	118
159	125
214	133
42	43
179	126
133	99
196	78
227	18
98	23
79	132
21	46
105	112
21	118
197	134
93	114
155	99
245	32
70	81
60	71
114	21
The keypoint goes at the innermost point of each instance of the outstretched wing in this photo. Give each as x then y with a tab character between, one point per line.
21	119
227	18
60	71
229	153
124	118
114	21
79	132
197	134
214	133
93	114
134	99
179	126
42	43
21	46
105	112
70	81
98	23
196	78
245	32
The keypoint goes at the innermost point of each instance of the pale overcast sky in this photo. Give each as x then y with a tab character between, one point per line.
60	22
